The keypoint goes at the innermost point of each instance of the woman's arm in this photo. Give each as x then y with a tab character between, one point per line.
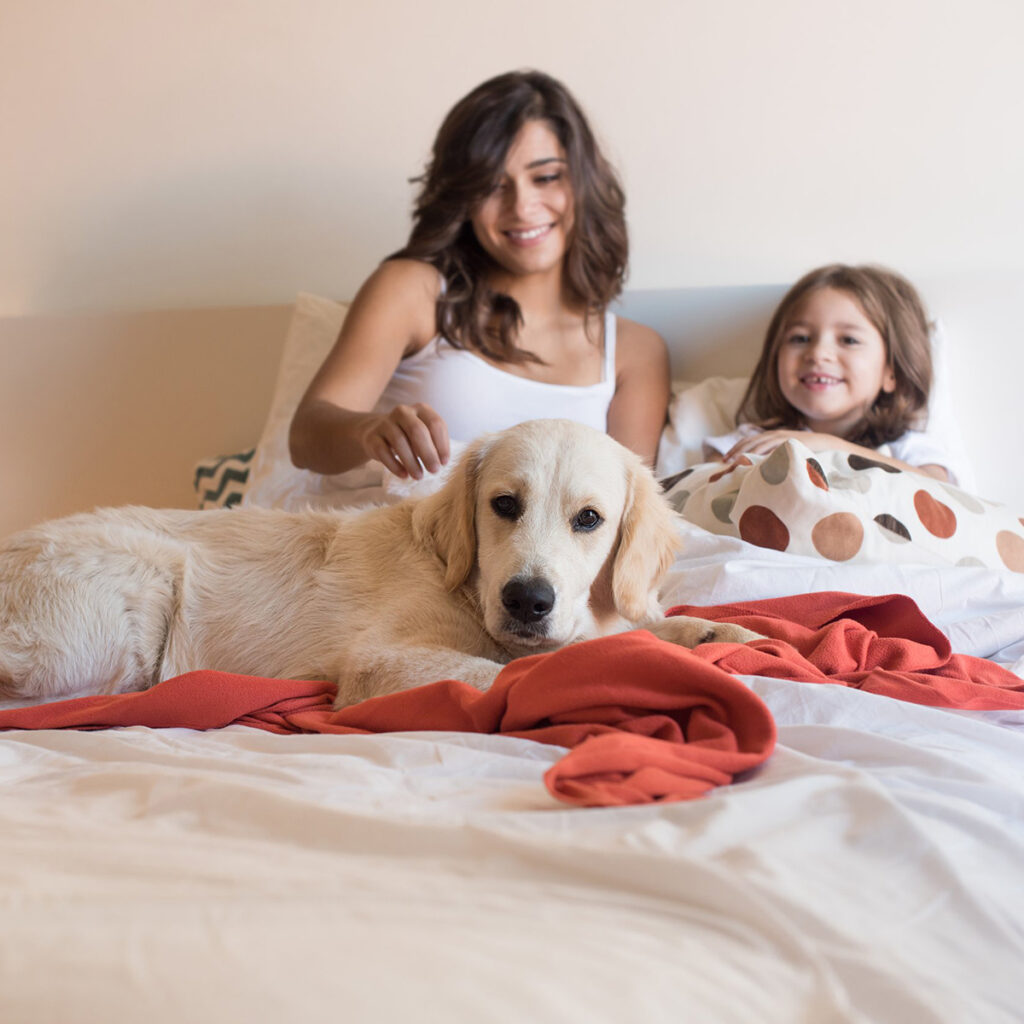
639	407
769	440
334	429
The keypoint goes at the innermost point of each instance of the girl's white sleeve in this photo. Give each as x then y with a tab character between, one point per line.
918	448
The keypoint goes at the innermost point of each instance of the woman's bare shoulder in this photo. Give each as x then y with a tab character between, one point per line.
637	341
397	301
407	280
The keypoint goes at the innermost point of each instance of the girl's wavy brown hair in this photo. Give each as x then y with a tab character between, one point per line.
467	161
895	310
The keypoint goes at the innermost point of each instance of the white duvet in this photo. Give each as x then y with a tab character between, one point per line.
871	871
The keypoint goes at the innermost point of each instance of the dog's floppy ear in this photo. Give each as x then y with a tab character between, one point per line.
445	522
648	541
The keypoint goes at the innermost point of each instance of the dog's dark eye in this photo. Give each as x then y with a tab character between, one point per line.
506	506
587	520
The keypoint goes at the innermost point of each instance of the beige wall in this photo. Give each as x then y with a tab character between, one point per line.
188	153
217	152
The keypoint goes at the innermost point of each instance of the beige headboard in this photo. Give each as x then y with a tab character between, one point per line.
115	409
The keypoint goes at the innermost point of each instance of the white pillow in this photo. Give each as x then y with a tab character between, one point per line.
696	411
274	481
708	409
943	426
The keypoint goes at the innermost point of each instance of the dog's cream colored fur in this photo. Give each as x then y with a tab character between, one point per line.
376	600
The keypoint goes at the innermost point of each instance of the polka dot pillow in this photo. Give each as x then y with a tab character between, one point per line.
847	508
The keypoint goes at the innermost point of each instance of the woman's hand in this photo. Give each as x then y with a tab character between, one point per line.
407	440
335	429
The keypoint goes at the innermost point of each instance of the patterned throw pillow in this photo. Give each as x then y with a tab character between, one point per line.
847	508
220	481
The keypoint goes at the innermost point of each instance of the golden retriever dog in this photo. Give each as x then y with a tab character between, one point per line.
543	535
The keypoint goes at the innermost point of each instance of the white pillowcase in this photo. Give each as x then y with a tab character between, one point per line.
696	411
274	481
943	427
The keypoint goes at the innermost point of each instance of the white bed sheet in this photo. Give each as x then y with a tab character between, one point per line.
870	871
981	610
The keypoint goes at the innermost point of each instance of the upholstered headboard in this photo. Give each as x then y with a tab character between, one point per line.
710	331
118	408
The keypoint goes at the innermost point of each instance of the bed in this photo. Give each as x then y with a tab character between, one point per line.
865	866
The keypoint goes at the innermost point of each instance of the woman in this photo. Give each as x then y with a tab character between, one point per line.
496	311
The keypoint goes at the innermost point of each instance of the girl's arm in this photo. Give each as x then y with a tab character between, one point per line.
334	429
767	441
639	407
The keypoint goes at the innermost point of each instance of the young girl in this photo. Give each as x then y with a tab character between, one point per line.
846	364
496	311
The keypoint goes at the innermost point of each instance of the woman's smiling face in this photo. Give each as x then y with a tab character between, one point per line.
524	224
832	362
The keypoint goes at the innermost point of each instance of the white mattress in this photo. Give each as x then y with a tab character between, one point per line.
870	871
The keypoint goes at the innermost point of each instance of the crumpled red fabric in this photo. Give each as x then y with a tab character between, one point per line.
645	720
882	645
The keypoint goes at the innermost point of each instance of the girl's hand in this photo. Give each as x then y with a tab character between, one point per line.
767	441
407	440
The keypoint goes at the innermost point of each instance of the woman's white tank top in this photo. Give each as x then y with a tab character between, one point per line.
474	397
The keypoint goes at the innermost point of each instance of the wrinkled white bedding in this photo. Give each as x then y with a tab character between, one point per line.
870	871
980	610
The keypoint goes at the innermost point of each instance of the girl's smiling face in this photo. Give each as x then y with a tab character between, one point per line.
525	222
832	362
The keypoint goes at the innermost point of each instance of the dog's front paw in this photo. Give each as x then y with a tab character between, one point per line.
690	632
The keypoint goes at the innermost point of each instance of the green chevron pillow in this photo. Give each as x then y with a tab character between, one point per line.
220	481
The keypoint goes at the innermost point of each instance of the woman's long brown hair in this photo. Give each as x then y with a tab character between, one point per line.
468	159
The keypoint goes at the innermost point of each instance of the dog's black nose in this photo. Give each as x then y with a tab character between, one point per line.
528	600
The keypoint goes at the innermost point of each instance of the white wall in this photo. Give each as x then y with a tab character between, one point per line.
183	153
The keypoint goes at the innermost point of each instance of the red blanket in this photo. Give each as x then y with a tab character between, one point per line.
646	721
883	645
